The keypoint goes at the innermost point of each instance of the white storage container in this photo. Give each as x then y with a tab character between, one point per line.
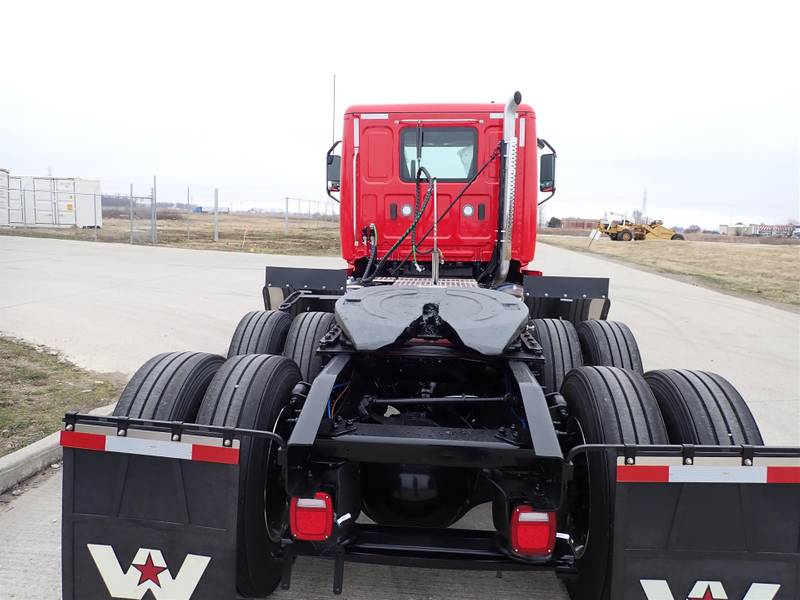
53	202
88	203
16	208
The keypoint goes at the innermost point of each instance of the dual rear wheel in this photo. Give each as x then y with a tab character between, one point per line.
268	355
611	405
610	400
275	332
595	342
250	391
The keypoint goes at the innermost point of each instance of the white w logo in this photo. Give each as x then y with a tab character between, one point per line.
148	571
658	589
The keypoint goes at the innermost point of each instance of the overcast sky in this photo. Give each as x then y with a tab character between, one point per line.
695	101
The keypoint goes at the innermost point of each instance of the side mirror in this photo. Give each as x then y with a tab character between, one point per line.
333	171
547	173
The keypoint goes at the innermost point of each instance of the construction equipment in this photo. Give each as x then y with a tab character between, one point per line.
439	371
625	230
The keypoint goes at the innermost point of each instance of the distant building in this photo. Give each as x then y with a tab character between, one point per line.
577	223
775	230
740	229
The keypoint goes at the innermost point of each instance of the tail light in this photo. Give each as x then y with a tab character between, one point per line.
533	533
311	519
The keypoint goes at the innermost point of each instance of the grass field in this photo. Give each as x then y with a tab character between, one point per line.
237	232
770	272
37	386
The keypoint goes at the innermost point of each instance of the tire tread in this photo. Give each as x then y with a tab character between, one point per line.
260	332
700	407
609	343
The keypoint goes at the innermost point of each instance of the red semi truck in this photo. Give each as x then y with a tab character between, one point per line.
367	409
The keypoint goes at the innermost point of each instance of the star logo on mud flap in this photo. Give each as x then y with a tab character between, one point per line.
148	572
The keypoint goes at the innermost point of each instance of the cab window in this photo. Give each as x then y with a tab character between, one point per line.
448	153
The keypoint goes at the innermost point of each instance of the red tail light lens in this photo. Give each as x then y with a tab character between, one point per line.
311	519
533	533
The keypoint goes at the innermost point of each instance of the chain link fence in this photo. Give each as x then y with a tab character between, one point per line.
140	216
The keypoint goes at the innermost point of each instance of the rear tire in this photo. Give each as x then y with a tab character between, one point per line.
562	350
610	406
168	387
609	343
303	339
626	235
260	332
702	408
677	237
253	392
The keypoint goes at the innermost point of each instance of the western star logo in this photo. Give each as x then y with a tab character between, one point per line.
148	572
658	589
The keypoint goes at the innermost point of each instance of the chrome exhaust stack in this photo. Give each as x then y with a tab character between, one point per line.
509	186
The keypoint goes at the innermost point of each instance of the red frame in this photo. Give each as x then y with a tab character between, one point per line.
370	179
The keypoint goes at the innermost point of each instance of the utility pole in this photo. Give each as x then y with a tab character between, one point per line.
188	211
216	214
644	206
130	198
286	216
333	117
154	215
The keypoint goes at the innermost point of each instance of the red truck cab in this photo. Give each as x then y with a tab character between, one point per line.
460	146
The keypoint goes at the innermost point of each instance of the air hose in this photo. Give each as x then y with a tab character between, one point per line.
373	253
416	196
367	278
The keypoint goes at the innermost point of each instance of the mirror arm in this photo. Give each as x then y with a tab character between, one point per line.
542	143
329	154
329	161
553	193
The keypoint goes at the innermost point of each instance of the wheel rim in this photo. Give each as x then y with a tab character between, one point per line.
579	498
276	502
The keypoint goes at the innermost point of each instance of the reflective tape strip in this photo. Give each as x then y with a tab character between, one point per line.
698	474
126	445
642	473
86	441
216	454
783	474
707	474
149	447
376	116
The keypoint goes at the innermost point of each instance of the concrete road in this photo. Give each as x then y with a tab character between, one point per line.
110	307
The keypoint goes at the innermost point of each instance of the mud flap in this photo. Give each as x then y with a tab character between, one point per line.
573	299
711	530
148	514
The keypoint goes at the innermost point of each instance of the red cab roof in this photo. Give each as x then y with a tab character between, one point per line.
488	107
